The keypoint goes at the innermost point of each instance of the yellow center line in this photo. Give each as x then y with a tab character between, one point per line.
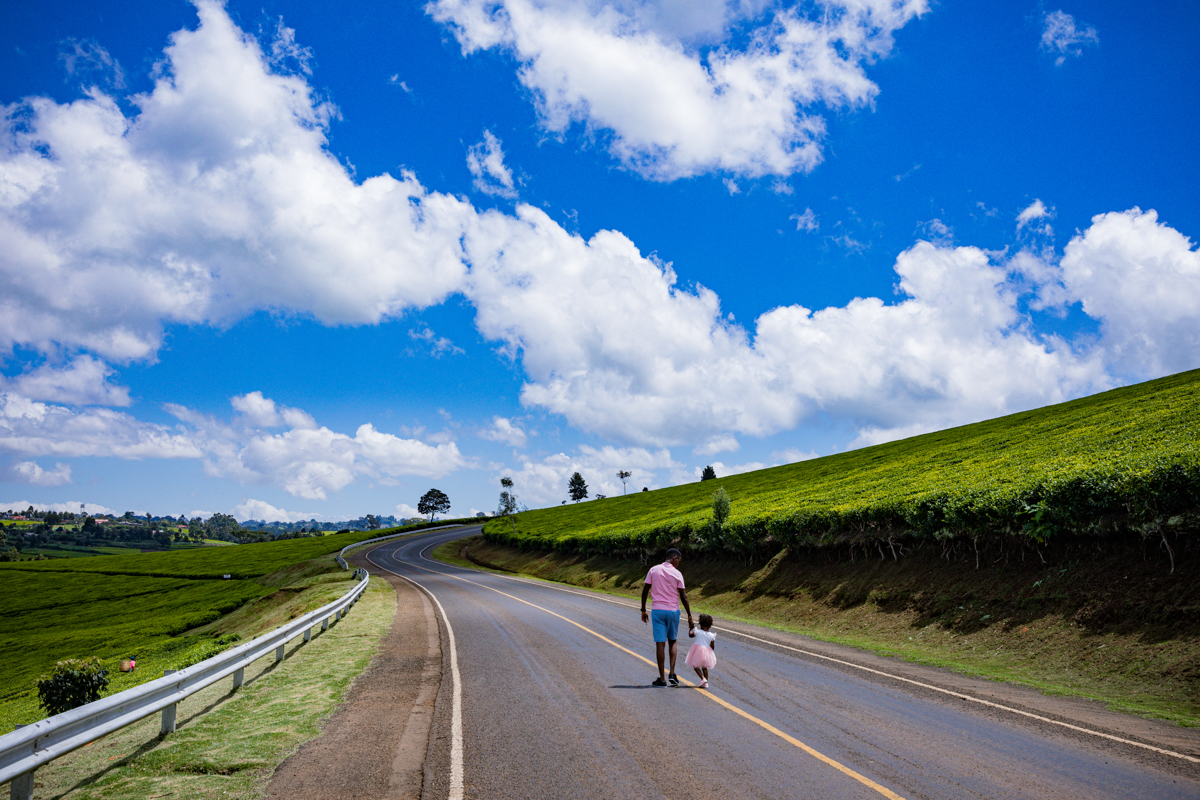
842	768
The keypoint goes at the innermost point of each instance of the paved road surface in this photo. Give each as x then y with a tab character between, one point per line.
545	693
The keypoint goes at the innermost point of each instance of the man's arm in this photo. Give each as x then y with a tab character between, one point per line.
645	594
683	599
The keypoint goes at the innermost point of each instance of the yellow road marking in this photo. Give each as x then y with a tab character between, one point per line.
842	768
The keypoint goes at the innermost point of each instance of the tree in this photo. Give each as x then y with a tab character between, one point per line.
372	523
624	476
709	474
577	488
508	499
73	683
433	502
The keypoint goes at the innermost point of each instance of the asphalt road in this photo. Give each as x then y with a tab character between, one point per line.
545	693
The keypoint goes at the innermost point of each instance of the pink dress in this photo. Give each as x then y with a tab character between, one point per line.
700	655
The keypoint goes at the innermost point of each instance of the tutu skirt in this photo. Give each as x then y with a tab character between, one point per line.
701	656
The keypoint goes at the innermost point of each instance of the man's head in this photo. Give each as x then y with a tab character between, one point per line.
674	556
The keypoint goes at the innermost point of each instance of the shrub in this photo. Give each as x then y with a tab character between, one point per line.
73	683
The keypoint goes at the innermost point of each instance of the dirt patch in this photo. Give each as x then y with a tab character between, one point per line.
374	745
1113	626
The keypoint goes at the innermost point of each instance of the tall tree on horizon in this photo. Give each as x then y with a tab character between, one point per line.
577	488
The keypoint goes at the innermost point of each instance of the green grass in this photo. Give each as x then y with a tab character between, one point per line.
139	604
1123	461
229	744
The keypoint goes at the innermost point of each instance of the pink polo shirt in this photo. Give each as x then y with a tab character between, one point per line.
665	582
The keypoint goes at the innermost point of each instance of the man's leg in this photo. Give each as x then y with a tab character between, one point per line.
674	651
661	651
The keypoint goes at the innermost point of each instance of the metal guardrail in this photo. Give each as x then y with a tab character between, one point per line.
342	561
31	746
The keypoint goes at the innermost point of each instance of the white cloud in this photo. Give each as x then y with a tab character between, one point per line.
88	62
485	160
544	482
1036	210
73	506
724	471
437	344
31	472
503	430
82	382
260	510
1061	36
718	444
791	455
405	511
1141	279
216	199
609	341
262	412
674	108
307	460
806	221
40	429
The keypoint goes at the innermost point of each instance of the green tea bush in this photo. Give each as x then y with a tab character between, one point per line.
1120	463
73	683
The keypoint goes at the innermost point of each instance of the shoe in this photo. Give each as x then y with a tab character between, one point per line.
659	682
673	678
703	685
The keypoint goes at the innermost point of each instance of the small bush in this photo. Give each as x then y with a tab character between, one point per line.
73	683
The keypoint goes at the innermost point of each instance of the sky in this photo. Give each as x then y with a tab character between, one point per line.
295	260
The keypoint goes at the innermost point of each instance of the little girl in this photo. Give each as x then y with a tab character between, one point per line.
703	654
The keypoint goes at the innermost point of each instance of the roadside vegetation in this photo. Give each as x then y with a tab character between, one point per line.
1117	627
167	610
1123	464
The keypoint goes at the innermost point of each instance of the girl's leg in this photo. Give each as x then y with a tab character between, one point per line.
700	674
705	673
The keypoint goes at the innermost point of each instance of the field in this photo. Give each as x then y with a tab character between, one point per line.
142	604
1125	462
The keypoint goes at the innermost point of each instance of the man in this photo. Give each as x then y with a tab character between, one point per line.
664	585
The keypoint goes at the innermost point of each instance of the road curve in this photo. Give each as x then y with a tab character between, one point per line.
545	693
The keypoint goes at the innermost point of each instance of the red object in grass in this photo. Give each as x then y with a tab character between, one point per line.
128	665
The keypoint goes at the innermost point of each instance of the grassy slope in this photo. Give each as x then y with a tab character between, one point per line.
117	606
1117	628
229	744
966	475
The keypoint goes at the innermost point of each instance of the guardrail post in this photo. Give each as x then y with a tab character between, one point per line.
21	787
168	713
238	677
279	652
308	635
325	624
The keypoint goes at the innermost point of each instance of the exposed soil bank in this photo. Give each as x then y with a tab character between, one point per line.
1101	620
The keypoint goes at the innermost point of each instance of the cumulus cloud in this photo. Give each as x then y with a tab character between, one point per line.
307	460
485	160
609	341
84	381
1141	279
215	199
40	429
503	430
544	482
31	472
674	107
1036	210
260	510
1062	36
262	412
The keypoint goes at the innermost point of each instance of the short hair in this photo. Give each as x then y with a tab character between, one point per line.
673	553
705	619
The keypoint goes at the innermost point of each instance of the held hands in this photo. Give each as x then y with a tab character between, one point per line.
691	627
645	616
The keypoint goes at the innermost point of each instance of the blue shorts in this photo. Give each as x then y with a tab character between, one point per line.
665	624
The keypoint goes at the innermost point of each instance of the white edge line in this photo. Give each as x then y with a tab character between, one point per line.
930	687
456	731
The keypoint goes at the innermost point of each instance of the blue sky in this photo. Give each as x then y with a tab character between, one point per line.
293	260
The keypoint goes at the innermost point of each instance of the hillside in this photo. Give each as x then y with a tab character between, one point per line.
1121	463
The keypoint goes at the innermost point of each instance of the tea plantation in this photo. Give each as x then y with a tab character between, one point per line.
1123	463
138	605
